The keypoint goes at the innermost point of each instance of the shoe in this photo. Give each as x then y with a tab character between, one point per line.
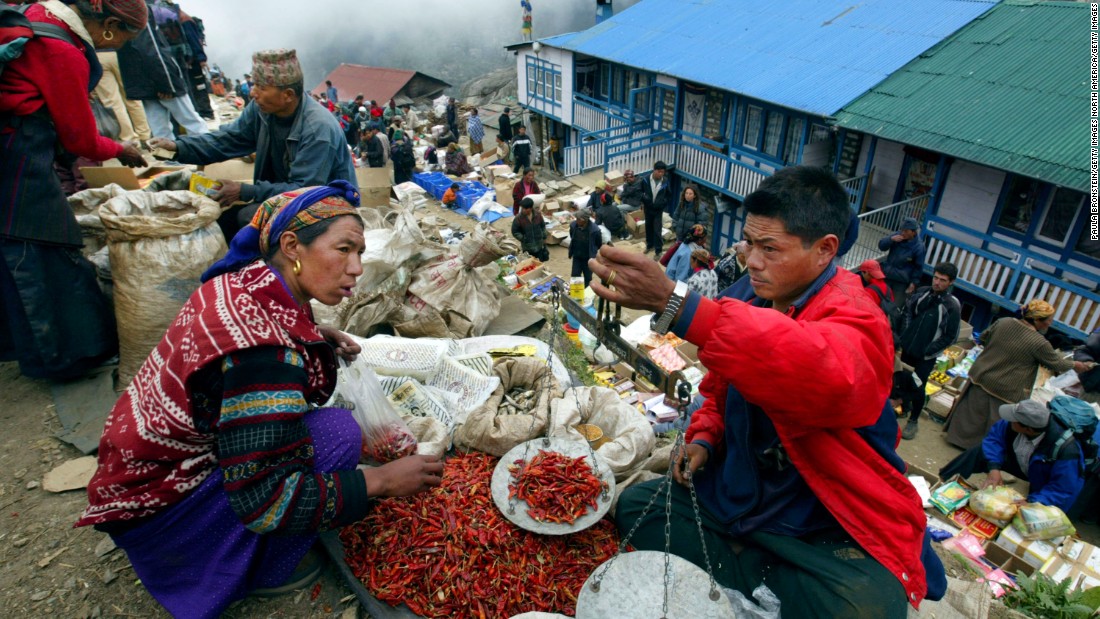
910	431
305	574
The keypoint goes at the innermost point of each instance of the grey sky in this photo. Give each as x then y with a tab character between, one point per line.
449	39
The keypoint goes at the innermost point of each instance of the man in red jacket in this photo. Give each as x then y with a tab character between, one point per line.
802	488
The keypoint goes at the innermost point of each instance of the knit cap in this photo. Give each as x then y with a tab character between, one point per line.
277	68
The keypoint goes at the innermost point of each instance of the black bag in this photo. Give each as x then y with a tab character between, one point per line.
1091	380
105	120
892	310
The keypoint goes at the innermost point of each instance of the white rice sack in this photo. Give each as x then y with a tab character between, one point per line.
417	358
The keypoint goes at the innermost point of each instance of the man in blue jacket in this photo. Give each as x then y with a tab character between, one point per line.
297	142
1024	444
904	263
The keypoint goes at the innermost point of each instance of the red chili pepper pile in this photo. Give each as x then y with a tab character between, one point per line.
451	553
557	488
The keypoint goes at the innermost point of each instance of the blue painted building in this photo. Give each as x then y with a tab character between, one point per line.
728	91
985	139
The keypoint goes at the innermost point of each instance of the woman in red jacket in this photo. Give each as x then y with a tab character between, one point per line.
44	102
523	188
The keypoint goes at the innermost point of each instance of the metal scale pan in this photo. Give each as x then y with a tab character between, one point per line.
574	449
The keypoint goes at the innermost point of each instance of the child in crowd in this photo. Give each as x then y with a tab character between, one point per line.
450	197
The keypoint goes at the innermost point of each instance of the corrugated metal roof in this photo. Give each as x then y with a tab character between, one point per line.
811	55
375	83
1009	91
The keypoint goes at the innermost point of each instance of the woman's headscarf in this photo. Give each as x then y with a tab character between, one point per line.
695	234
133	13
286	212
1038	309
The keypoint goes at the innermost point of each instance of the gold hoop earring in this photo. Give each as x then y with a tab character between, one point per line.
297	266
108	35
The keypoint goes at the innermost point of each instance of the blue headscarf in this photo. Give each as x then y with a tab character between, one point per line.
276	217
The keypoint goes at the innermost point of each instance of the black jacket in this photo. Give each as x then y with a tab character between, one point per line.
653	203
930	324
148	67
521	147
505	131
531	232
608	214
578	248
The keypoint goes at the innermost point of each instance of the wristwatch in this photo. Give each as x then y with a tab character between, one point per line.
661	324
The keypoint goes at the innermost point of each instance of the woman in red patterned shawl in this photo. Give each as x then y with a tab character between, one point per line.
216	469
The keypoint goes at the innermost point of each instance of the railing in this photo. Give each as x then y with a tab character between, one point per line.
642	152
591	116
856	188
592	152
584	156
874	225
703	163
744	179
1012	279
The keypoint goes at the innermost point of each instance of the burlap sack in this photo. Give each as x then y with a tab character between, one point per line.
450	286
485	430
630	436
159	244
431	435
85	205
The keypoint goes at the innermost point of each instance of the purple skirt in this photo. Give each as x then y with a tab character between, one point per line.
196	558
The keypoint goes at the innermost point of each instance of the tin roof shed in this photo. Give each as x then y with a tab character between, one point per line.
1004	92
809	55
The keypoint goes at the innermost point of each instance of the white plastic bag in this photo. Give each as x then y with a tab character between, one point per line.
385	436
605	234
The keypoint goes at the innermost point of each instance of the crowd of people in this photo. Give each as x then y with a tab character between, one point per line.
792	455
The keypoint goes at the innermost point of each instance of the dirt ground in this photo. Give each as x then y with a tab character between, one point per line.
53	569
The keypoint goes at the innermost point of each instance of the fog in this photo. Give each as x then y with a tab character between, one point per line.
453	40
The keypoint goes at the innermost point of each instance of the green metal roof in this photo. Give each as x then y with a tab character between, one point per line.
1010	91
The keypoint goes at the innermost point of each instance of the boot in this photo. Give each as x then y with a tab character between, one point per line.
910	431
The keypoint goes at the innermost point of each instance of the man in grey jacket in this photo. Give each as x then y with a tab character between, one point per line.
297	142
929	325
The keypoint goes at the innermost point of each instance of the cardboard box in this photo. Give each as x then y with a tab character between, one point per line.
1033	552
1076	560
374	186
1006	561
556	237
689	351
523	264
966	332
635	221
614	178
550	207
536	275
495	172
130	179
231	170
503	189
940	404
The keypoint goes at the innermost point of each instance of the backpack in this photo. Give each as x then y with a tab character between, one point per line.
1080	422
16	30
892	310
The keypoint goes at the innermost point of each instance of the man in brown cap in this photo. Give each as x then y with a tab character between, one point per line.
297	142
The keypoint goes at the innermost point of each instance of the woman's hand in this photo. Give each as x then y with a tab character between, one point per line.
345	346
131	156
407	476
688	460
